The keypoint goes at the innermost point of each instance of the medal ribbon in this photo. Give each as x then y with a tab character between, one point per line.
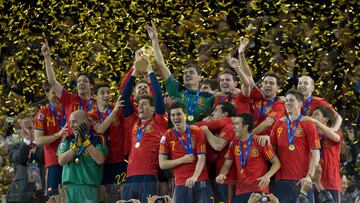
243	159
61	122
188	147
191	106
323	137
291	132
88	107
307	105
262	111
140	132
108	112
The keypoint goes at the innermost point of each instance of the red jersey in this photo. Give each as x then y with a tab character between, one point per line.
114	134
276	110
144	160
227	133
314	102
255	167
46	121
330	163
72	102
294	164
241	102
171	146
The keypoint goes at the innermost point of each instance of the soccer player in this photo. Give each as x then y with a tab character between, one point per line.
324	119
297	144
82	156
108	120
50	126
306	86
183	149
189	95
228	82
210	86
251	161
69	101
267	108
147	127
222	132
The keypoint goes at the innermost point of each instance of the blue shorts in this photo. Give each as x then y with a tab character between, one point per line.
200	192
243	198
288	191
139	187
114	173
54	174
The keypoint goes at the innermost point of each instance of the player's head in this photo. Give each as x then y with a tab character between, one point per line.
84	83
210	86
102	94
325	115
146	107
270	85
293	101
306	86
226	109
243	124
177	115
228	81
77	118
141	88
191	78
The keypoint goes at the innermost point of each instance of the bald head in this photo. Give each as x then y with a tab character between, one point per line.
26	128
306	86
77	118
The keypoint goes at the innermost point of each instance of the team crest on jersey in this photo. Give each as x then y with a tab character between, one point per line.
279	131
254	152
115	121
193	142
237	150
309	111
201	100
163	139
149	128
298	132
41	117
326	143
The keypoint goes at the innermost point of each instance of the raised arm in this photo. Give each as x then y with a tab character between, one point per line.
159	100
338	121
245	82
50	74
243	63
164	70
126	93
329	132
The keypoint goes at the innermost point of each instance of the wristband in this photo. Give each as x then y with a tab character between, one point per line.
86	143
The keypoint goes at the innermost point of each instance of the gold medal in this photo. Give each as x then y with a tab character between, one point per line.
190	117
291	147
77	160
137	145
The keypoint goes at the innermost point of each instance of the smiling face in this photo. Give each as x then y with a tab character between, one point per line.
191	77
227	83
292	104
306	86
177	117
83	85
269	87
146	109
